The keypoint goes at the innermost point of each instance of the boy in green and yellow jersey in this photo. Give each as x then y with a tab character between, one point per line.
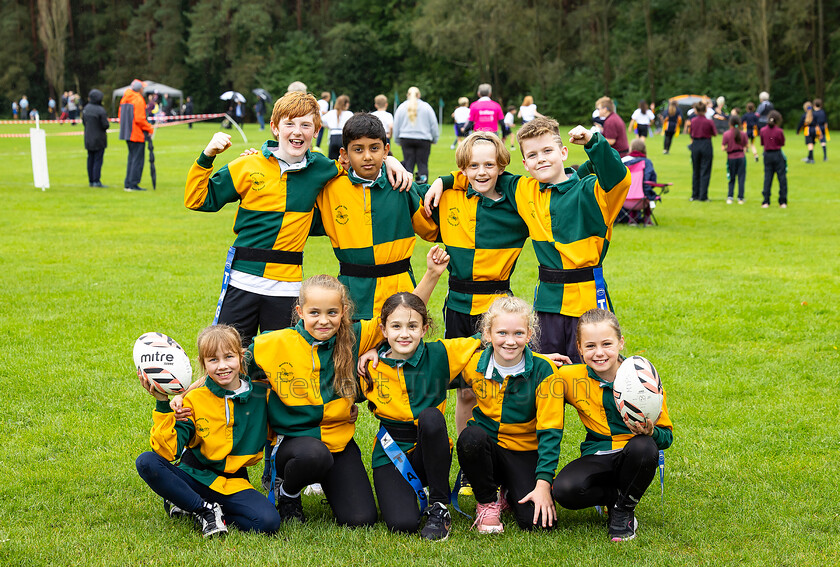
371	226
570	216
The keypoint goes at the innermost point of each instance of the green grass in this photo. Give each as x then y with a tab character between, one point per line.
734	304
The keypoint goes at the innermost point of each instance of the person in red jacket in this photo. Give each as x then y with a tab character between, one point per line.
134	128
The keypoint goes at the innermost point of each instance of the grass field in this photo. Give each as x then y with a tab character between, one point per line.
736	306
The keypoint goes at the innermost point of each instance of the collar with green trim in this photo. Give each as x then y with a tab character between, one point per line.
270	146
563	186
329	343
484	361
379	182
220	392
413	361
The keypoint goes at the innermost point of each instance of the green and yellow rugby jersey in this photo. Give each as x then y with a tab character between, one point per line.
372	226
593	399
571	223
225	434
275	210
401	389
523	412
483	238
300	369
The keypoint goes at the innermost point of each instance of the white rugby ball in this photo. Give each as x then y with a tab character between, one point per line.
638	390
163	363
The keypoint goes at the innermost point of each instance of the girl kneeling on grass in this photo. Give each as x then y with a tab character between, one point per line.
211	483
406	390
513	438
311	368
618	457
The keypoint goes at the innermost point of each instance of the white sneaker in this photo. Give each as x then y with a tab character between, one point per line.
729	201
315	489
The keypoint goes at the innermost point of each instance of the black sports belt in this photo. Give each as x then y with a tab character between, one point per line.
479	287
376	271
189	459
578	275
402	433
269	256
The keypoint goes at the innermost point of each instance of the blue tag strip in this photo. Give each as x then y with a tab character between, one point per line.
600	289
453	498
662	474
273	470
225	281
401	462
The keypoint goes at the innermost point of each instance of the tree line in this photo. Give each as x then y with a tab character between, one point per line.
566	53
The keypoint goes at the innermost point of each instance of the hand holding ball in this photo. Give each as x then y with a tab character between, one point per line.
163	363
638	390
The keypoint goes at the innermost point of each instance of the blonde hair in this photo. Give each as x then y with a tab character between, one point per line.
605	101
595	316
539	126
463	155
515	306
294	105
342	103
411	106
528	100
344	351
463	101
216	337
809	113
380	101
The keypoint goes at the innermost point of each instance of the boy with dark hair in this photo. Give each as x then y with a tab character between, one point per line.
570	216
371	227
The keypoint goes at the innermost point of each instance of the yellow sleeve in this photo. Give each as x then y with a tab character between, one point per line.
369	335
460	352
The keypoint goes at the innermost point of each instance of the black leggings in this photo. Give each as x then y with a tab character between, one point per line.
737	172
488	466
669	137
775	163
302	461
335	146
430	459
416	152
595	480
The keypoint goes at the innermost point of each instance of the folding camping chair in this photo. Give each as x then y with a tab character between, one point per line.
636	202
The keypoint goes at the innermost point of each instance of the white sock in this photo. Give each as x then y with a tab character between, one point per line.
282	492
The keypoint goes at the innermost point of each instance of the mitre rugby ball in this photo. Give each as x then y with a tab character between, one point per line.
638	390
163	363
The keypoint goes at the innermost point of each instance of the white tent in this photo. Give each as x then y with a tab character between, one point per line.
150	88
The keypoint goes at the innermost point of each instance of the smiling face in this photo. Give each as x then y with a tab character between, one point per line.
599	346
543	159
483	170
294	136
404	329
223	368
366	156
509	335
321	312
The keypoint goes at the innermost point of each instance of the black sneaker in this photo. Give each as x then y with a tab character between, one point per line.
211	521
623	523
174	511
290	508
439	523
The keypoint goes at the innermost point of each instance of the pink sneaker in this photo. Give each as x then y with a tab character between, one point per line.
487	518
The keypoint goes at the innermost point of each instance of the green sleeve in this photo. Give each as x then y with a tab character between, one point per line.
605	162
663	437
548	453
317	227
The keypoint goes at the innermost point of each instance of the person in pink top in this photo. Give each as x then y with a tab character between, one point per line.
485	114
733	143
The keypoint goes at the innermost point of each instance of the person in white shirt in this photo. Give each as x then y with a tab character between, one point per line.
461	116
528	110
643	116
335	120
387	119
